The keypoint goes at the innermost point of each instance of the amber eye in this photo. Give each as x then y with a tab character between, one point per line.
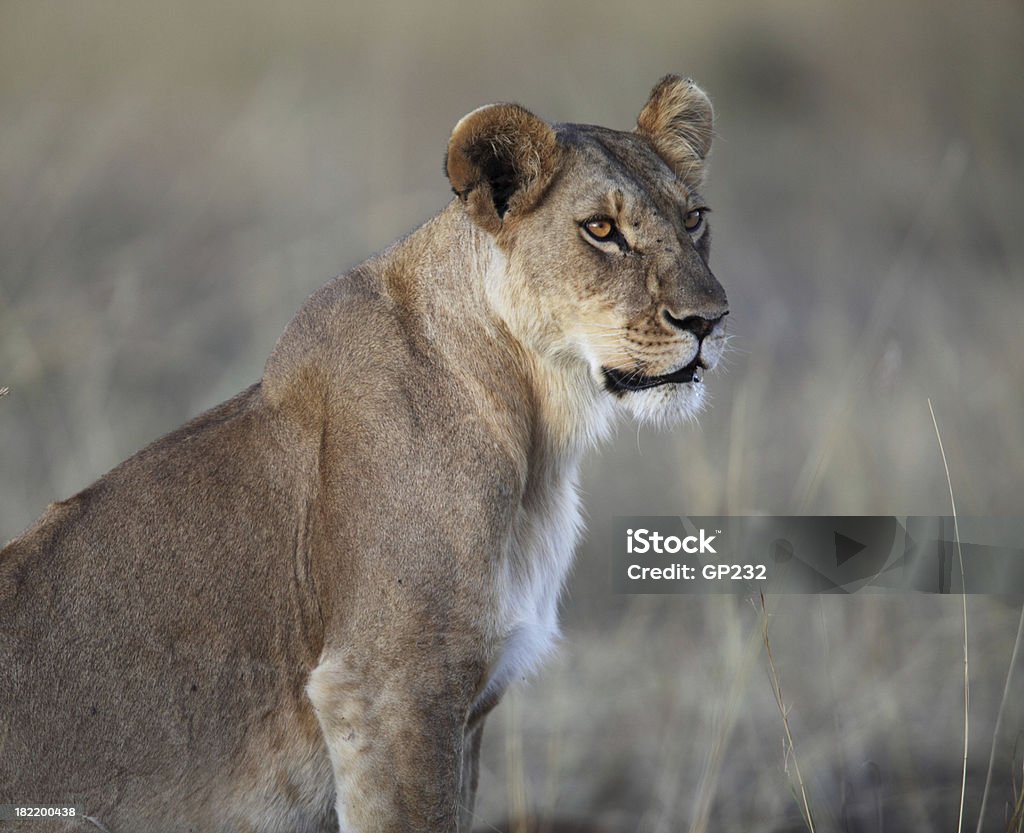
693	219
600	228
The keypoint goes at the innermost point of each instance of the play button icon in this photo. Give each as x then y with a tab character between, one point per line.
846	548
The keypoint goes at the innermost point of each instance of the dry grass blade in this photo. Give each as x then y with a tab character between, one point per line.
963	596
1016	823
805	809
486	825
707	786
4	391
999	721
516	765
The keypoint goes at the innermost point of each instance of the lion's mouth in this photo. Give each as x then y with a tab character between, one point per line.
621	381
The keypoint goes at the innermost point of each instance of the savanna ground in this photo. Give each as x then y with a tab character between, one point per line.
176	178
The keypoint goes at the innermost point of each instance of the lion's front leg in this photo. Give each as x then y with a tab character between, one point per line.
397	745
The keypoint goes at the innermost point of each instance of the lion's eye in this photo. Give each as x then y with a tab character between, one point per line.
692	221
600	228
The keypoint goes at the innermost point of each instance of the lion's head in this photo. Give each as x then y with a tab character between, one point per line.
606	238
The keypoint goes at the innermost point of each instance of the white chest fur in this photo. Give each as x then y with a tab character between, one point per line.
537	563
575	415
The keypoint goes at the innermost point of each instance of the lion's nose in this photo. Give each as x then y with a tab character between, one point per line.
696	324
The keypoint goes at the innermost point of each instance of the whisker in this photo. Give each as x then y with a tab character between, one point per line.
606	326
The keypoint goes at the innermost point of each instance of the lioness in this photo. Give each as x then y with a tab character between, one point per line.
296	611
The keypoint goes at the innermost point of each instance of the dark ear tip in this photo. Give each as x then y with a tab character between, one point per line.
502	151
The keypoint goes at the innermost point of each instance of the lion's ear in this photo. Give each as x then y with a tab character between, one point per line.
678	121
500	159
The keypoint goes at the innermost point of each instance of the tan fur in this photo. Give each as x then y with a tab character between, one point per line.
297	610
679	120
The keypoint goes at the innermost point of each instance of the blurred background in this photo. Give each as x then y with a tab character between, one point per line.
175	179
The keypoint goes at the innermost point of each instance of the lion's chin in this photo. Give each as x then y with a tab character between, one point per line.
665	405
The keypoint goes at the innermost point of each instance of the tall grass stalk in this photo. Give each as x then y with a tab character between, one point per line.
963	597
1016	823
781	703
708	784
999	720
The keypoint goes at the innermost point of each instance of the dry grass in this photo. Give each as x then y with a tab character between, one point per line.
963	599
1016	820
998	725
789	748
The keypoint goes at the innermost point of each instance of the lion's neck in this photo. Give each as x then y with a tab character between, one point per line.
544	407
537	388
